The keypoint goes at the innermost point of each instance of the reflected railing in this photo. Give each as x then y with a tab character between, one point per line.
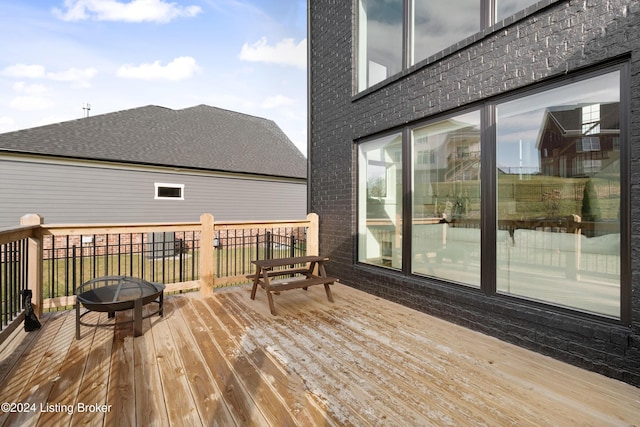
587	247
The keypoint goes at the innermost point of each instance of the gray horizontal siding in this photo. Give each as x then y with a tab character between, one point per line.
64	193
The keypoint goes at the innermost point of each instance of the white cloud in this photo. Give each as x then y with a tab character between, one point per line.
24	71
30	97
73	75
180	68
277	101
30	103
80	77
285	52
133	11
36	89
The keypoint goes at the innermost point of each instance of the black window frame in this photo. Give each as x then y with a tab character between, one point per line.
488	181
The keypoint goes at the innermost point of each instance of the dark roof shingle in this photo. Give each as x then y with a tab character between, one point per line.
200	137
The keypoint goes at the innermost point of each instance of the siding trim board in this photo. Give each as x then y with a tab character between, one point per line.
53	160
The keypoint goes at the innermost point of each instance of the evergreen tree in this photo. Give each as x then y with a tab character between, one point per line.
590	206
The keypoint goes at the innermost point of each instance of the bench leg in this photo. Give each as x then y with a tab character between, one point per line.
253	290
255	284
272	306
327	289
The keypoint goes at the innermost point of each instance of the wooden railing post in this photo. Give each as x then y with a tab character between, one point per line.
573	259
313	238
207	266
34	267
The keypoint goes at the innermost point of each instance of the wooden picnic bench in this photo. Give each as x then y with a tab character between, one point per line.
266	269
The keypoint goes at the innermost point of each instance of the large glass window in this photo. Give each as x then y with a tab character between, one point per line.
380	202
436	28
395	34
506	8
446	199
558	196
380	40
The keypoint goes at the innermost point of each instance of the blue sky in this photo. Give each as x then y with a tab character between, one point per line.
242	55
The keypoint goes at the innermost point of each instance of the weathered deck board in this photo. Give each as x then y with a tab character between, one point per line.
290	388
215	407
150	394
93	387
30	381
225	360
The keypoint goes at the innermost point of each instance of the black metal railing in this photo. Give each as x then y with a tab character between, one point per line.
166	257
13	279
236	248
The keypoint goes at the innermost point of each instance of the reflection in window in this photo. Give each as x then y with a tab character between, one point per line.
431	26
446	200
380	40
506	8
436	28
558	200
380	202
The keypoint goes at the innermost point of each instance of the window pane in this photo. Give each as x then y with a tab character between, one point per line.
169	191
435	27
506	8
446	199
558	204
380	41
380	202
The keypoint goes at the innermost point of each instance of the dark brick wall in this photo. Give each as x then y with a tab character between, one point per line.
547	40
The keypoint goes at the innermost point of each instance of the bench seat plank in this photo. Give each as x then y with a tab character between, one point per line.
277	262
303	283
275	273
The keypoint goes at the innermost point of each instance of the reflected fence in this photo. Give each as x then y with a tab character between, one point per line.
567	244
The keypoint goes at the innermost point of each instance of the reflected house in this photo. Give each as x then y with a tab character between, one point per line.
443	158
463	155
580	140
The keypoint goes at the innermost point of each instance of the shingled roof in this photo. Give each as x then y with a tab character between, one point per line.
200	137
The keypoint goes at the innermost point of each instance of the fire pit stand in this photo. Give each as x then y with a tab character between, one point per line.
117	293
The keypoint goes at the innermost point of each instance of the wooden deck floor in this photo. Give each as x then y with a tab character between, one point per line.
224	360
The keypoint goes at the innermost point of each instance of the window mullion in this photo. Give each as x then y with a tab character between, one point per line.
408	35
487	13
488	217
407	201
625	211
